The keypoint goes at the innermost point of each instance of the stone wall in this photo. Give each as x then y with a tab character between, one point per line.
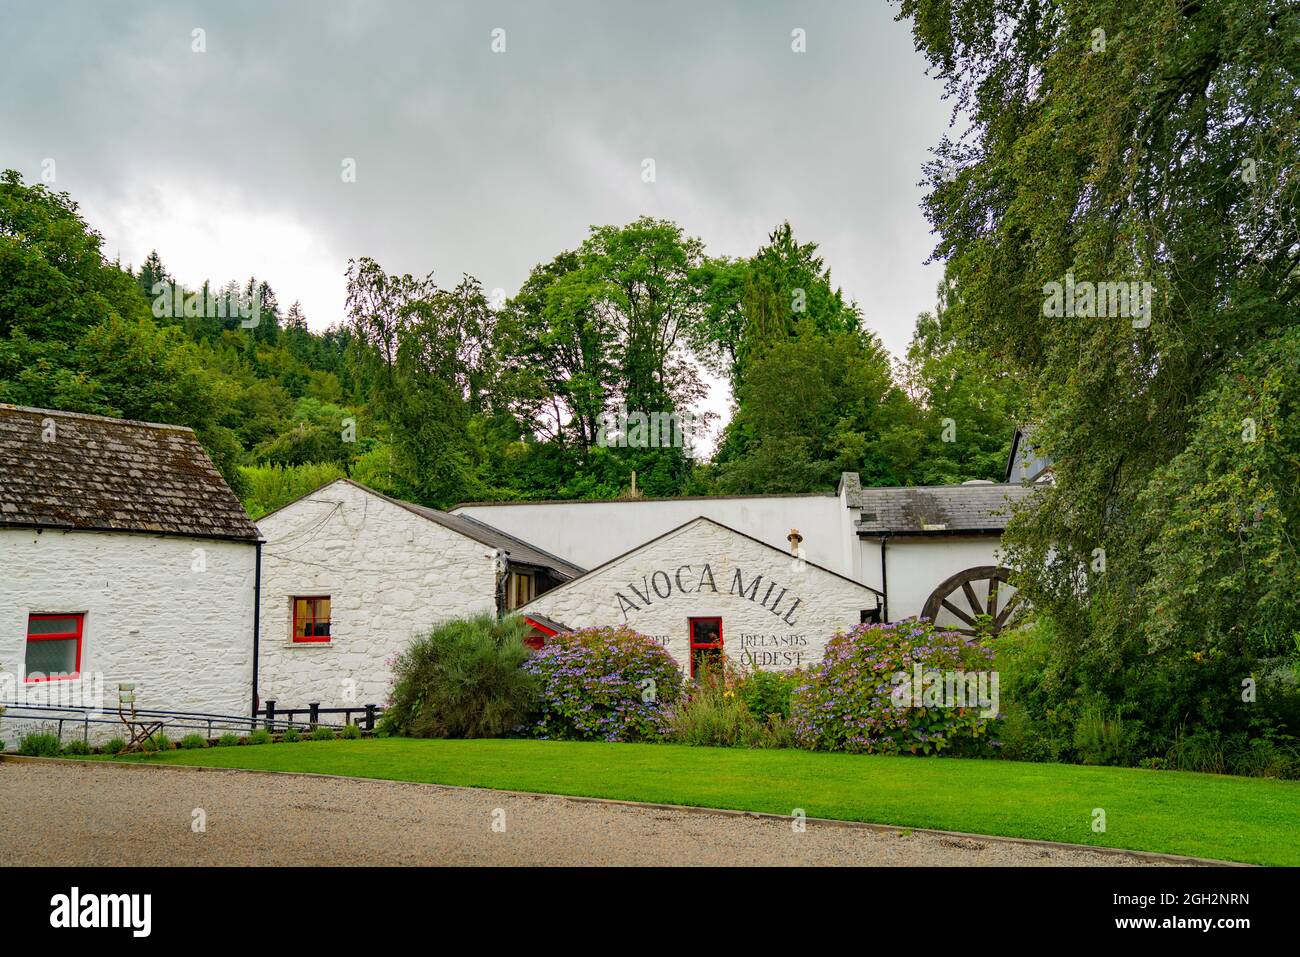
777	612
173	615
390	574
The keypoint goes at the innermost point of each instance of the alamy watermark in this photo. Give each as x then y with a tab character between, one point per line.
174	301
85	690
1098	300
928	688
649	430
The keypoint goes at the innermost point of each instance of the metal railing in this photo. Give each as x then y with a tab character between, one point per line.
368	713
212	725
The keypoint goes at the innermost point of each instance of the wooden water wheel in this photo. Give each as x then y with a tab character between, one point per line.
989	600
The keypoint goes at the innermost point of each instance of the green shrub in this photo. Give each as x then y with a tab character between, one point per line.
322	733
159	742
1038	707
604	684
40	745
778	732
228	740
1263	758
259	736
350	731
463	680
1099	739
1200	751
768	693
114	746
191	741
712	713
852	700
291	735
76	747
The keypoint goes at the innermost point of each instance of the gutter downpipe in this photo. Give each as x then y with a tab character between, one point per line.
257	620
503	581
884	582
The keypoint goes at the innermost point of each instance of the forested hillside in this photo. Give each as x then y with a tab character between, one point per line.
429	391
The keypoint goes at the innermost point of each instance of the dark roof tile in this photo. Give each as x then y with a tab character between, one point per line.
113	474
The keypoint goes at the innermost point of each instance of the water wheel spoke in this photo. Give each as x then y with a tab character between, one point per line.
992	608
972	599
959	613
1006	612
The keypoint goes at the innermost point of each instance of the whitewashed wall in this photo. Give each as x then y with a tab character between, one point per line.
390	575
751	631
917	564
183	635
591	533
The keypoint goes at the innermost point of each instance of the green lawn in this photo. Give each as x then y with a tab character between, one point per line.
1204	815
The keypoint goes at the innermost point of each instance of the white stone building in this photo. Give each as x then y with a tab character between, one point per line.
905	543
703	590
124	558
350	576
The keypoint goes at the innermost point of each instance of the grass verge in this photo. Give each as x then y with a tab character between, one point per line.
1254	820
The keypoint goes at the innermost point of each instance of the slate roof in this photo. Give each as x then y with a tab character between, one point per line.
518	551
937	509
112	475
523	609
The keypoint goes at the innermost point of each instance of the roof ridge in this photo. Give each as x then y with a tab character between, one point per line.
10	407
639	499
514	538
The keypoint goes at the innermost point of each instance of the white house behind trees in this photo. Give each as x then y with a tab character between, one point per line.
124	558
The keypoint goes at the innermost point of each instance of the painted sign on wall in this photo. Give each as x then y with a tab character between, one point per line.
662	585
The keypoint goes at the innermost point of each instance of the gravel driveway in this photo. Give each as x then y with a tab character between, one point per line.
79	814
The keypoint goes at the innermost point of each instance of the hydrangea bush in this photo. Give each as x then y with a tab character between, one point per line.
604	684
847	702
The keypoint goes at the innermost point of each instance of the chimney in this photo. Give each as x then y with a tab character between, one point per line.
795	540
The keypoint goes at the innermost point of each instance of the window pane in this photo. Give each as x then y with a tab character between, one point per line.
322	608
52	626
302	608
705	632
52	657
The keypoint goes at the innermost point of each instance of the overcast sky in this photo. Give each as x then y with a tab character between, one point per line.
229	161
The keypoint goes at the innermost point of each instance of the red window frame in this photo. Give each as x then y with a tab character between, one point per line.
691	622
80	617
314	618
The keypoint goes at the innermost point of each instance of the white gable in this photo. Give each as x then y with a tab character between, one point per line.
777	611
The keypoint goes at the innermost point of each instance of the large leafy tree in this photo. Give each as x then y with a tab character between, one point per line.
1151	141
808	408
964	406
423	352
76	334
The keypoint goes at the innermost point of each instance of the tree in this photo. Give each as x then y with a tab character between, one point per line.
1155	144
966	405
412	349
807	409
76	334
750	304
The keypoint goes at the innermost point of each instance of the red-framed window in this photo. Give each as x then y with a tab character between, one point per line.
311	618
54	646
706	642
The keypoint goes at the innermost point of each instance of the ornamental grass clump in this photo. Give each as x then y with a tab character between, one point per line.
464	679
863	696
604	684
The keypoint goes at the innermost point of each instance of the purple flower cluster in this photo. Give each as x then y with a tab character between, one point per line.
847	702
604	684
